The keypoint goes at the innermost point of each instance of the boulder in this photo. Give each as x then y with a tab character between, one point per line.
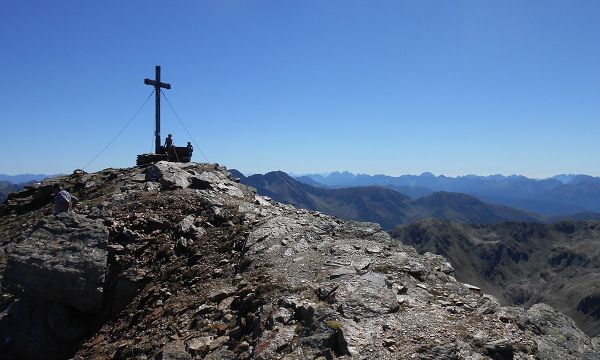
559	337
169	175
172	175
271	343
500	349
63	259
187	227
173	351
370	301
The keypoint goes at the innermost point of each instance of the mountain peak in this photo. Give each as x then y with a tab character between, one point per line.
583	179
198	265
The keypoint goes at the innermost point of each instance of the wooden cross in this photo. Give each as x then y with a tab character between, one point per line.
157	86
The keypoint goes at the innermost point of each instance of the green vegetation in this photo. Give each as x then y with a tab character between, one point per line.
334	325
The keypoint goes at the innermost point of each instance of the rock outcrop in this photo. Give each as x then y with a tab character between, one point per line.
61	259
199	266
522	263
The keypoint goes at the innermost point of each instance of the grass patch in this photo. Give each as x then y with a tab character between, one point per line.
334	325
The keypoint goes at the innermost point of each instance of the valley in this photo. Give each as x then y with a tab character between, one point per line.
521	263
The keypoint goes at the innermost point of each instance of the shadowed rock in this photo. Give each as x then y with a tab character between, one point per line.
63	260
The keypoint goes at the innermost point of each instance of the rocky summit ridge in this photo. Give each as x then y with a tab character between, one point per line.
180	261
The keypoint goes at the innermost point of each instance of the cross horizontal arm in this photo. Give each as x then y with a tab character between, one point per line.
154	83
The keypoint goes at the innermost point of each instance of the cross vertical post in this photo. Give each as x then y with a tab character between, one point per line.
157	86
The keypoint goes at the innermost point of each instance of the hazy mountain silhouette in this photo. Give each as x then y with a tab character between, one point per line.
412	191
564	178
376	204
587	215
382	205
466	208
23	178
559	195
311	181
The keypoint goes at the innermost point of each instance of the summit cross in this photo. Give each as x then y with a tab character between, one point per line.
157	86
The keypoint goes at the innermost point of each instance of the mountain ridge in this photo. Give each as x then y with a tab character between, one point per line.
188	263
570	193
24	178
380	204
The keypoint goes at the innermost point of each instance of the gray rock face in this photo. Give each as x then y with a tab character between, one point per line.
173	351
204	268
370	299
169	176
63	259
384	300
559	336
500	349
189	175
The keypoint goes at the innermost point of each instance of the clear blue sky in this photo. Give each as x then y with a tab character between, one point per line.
394	87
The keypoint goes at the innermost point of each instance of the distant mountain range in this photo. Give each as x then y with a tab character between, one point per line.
509	253
24	178
558	195
382	205
521	263
7	188
14	183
